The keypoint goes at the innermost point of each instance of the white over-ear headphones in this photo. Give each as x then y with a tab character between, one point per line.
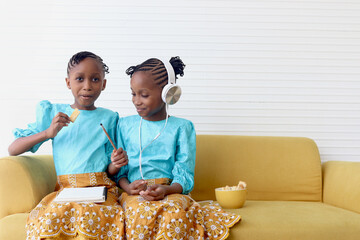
171	92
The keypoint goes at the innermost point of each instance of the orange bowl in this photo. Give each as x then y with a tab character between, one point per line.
230	198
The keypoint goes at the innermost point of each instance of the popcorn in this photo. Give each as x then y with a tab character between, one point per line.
241	186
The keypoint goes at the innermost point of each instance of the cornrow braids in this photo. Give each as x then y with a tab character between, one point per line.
157	68
78	57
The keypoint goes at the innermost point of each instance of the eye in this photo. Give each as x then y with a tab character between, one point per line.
144	95
133	94
79	79
96	79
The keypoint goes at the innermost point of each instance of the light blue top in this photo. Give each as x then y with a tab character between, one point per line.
171	155
82	146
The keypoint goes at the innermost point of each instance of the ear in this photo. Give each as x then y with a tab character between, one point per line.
67	80
104	85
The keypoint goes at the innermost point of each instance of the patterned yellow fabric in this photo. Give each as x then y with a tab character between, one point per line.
177	216
78	220
162	181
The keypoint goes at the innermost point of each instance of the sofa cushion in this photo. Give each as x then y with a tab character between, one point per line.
28	180
284	220
342	184
12	227
275	168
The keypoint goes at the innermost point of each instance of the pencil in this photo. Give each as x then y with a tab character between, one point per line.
108	136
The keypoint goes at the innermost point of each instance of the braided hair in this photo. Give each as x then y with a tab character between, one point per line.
157	68
78	57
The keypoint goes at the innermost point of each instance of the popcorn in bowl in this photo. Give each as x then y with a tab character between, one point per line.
241	186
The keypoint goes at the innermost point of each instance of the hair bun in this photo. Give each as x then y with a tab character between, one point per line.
178	65
130	71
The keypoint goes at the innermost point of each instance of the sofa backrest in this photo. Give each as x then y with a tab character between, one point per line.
274	168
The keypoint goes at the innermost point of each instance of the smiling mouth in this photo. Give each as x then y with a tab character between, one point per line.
140	109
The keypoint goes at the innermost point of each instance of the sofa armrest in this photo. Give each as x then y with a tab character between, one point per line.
24	181
342	184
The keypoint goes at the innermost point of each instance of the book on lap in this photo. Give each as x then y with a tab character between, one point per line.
86	194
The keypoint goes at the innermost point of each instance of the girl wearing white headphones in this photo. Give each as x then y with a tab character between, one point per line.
161	151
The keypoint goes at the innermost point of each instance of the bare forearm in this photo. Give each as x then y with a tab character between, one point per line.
124	184
174	188
112	170
23	144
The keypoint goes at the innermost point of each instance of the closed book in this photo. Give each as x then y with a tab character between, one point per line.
86	194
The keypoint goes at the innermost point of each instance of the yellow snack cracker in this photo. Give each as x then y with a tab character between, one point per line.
74	115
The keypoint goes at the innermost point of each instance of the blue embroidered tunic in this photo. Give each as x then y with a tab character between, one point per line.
82	146
171	155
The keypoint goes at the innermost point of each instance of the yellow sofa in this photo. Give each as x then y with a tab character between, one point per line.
291	195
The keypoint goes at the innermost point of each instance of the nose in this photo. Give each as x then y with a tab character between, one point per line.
87	85
136	101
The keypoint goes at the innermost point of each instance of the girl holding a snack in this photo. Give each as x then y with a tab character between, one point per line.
160	171
83	156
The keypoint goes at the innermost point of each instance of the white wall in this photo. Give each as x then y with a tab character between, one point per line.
281	68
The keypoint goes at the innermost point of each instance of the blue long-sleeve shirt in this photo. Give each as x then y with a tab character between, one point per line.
171	155
82	146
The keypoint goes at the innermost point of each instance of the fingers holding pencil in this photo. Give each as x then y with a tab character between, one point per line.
119	158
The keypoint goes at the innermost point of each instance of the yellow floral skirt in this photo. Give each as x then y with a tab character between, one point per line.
71	220
177	216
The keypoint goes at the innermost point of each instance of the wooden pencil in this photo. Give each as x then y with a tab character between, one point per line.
108	136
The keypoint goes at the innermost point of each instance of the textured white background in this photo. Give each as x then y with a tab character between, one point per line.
273	68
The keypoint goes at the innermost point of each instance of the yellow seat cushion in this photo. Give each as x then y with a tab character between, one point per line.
12	227
284	220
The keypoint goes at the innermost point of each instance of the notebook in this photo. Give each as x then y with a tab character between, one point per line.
86	194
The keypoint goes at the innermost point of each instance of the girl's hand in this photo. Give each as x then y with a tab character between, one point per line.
59	121
136	187
119	158
154	192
